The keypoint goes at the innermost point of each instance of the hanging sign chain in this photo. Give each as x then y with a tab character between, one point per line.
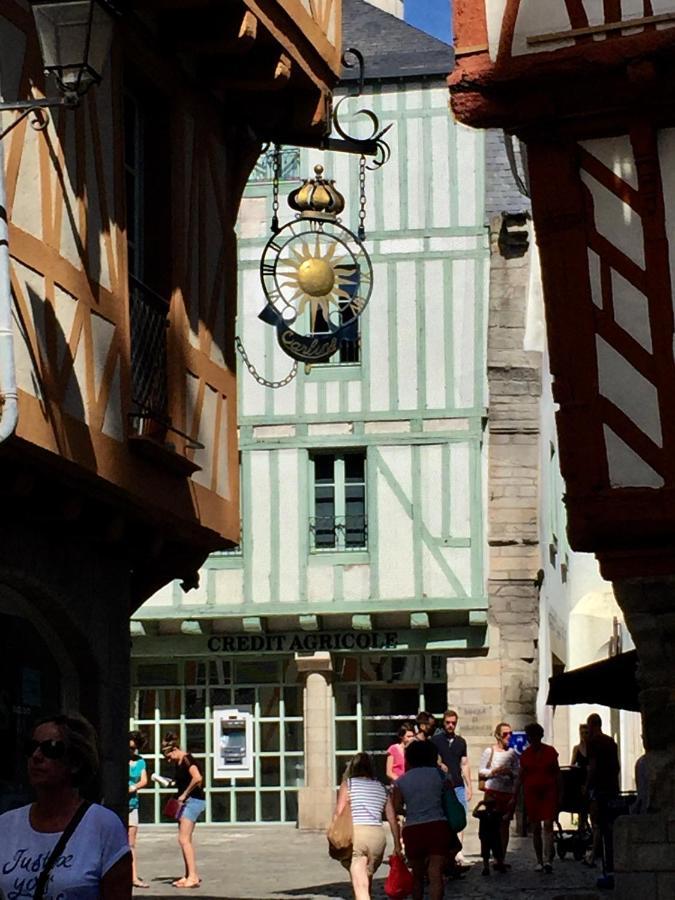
361	231
276	161
258	377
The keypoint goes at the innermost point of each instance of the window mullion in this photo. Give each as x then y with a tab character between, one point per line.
340	502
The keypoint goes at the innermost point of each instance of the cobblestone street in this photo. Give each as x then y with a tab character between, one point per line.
277	862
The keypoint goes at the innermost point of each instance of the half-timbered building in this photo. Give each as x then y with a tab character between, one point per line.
122	471
359	586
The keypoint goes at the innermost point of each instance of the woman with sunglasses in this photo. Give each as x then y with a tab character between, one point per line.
189	782
96	861
499	771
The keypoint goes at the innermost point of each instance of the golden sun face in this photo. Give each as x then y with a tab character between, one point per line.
317	277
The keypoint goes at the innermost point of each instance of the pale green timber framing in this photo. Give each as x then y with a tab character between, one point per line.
415	403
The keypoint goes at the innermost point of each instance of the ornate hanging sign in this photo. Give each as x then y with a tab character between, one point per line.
316	275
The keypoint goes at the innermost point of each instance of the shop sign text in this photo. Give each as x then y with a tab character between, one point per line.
303	642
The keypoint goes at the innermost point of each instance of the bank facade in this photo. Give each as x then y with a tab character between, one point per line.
361	570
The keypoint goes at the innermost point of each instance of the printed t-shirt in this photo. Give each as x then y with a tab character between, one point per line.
398	757
451	749
99	841
421	790
136	768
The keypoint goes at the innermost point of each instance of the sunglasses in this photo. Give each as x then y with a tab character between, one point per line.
506	733
49	749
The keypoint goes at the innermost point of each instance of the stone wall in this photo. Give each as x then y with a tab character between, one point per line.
503	685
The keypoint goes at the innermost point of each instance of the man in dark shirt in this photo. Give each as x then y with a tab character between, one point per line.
602	790
453	752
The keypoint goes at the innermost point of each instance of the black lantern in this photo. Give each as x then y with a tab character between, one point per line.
75	38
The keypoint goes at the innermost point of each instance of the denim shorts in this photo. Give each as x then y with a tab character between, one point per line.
460	793
192	809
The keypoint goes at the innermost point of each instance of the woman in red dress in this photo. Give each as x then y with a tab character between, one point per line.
540	777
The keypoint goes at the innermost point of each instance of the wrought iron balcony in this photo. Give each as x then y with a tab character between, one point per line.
338	532
149	323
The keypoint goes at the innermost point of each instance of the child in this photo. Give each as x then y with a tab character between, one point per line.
490	820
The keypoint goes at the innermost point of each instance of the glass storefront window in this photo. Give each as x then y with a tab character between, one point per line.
270	771
181	700
270	806
374	694
269	701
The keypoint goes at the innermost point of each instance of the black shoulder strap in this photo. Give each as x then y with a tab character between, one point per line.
59	848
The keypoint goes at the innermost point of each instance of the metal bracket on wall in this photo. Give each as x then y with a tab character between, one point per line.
373	145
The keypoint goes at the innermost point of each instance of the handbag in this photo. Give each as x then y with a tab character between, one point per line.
340	833
173	808
482	781
453	809
399	882
58	849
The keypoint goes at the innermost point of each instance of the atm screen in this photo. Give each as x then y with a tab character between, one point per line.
233	741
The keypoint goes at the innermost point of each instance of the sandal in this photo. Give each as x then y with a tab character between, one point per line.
139	883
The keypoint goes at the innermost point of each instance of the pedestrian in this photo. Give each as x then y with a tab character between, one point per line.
579	762
540	778
138	779
454	754
602	789
369	800
190	794
426	726
62	762
396	752
489	834
498	773
430	844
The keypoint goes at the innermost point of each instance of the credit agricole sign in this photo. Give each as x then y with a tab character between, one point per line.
299	642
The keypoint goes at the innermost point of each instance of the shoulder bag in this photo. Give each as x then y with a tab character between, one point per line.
453	809
58	849
340	833
482	782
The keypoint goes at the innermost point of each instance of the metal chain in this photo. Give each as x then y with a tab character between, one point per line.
258	377
361	231
274	225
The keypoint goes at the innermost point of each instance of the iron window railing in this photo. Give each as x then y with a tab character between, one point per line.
149	322
338	532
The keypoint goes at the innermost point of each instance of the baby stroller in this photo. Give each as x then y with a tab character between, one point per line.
576	841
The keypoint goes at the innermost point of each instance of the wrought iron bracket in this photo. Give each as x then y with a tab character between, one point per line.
373	145
37	108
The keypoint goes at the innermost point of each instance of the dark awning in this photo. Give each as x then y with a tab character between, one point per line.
611	682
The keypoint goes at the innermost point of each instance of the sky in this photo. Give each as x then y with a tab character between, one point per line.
432	16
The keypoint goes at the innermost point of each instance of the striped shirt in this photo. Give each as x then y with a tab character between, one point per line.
367	797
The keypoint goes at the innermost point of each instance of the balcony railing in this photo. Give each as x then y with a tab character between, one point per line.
149	323
338	533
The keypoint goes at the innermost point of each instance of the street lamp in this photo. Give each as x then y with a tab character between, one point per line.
75	38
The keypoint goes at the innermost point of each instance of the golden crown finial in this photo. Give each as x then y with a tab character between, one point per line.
317	198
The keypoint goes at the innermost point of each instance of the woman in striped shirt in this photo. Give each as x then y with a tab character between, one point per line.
369	800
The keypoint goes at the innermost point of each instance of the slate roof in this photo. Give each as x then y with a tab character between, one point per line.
391	48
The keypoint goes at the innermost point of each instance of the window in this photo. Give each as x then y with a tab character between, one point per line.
350	346
148	193
338	519
289	165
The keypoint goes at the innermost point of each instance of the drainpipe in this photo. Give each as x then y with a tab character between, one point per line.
9	404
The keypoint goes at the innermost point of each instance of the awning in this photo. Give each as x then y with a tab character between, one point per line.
611	682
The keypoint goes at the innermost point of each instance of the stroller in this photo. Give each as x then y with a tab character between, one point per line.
576	841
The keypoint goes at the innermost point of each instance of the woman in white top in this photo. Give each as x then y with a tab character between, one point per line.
369	800
95	864
499	767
